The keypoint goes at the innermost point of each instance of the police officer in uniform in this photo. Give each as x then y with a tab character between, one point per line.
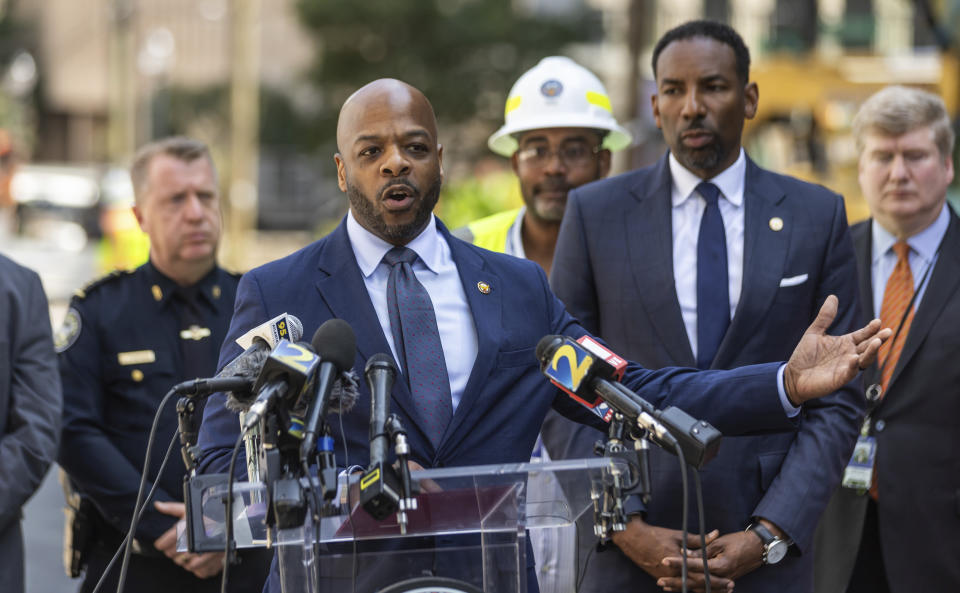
127	339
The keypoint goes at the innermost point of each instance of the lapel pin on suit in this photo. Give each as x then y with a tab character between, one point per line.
776	224
483	287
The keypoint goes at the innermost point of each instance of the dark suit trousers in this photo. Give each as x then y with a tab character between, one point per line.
869	574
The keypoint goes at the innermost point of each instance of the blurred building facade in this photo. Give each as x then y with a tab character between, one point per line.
814	62
103	60
106	69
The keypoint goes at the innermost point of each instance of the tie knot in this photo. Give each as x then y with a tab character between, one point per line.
187	294
902	250
710	192
400	255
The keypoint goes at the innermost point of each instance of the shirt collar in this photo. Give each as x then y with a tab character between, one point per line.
925	243
730	181
162	287
369	249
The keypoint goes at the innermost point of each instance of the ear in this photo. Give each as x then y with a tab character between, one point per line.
139	216
603	163
948	162
515	163
341	172
751	96
440	159
656	110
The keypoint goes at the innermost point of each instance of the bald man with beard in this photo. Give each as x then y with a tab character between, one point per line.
483	398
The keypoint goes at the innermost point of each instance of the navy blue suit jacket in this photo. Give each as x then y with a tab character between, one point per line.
506	397
613	269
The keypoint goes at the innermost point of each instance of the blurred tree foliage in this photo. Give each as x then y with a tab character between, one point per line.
463	54
468	199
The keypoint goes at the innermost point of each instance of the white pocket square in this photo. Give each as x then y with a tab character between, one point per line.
793	280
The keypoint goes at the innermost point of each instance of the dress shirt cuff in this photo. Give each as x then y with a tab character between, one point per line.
788	408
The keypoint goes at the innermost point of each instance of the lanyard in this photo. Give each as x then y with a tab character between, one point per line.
874	392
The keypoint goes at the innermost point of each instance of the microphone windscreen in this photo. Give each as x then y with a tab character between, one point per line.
344	395
296	328
335	342
381	360
547	345
247	367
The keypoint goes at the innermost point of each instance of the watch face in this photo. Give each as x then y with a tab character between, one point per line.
776	551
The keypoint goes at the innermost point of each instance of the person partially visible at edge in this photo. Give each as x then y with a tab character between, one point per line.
878	532
30	401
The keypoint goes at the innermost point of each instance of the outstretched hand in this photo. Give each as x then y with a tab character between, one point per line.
821	363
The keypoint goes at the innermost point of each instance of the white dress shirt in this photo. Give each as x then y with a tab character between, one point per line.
687	212
436	270
923	254
688	207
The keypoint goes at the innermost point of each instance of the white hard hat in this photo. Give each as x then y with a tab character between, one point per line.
557	93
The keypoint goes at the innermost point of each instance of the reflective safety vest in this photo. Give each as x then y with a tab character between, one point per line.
493	231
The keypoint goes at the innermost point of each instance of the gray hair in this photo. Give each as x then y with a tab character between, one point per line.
896	110
179	147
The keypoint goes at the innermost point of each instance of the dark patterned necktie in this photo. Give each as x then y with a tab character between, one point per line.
713	290
417	341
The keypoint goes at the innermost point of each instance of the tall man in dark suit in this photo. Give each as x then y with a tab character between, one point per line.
484	398
900	533
706	260
30	403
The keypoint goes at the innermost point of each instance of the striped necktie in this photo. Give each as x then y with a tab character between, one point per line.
896	298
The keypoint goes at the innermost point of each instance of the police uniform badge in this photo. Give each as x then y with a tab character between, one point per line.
68	332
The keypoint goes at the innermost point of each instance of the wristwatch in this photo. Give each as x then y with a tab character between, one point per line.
774	548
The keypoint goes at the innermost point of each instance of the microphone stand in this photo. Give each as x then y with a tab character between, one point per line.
607	494
407	502
187	421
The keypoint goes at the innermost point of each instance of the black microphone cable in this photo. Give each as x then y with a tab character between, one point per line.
143	483
685	515
698	488
228	511
143	509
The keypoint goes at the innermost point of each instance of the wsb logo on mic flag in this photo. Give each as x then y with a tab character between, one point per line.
569	368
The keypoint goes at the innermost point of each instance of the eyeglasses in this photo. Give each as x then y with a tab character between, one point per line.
571	155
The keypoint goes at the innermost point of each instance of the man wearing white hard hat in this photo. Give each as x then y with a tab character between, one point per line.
558	132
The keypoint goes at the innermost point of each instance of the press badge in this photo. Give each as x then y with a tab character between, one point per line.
858	474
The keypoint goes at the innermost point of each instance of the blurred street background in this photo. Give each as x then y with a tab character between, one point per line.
82	84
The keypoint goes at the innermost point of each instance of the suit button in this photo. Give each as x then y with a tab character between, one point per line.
881	425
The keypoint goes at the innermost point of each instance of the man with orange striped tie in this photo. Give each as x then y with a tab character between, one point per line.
893	525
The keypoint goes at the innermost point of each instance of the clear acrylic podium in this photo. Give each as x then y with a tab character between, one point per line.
470	525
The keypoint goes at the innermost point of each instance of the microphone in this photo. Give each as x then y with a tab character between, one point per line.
336	345
281	327
380	373
580	375
381	490
238	375
286	372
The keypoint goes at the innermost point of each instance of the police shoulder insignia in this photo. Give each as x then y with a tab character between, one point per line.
68	332
82	293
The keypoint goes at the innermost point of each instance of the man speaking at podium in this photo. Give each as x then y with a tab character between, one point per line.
471	391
